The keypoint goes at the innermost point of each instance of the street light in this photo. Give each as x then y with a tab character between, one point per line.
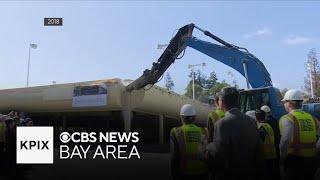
311	84
191	66
33	46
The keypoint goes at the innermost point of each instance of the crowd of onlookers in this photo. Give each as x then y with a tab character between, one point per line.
8	124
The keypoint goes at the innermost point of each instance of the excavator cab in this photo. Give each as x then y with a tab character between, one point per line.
253	99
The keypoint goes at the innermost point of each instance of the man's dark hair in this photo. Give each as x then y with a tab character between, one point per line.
296	104
260	115
189	119
230	97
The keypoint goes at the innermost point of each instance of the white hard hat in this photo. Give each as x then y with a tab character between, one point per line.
293	95
265	108
251	114
187	110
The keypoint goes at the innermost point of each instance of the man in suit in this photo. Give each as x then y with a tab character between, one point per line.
236	149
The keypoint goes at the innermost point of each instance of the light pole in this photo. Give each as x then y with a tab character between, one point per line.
310	74
191	66
33	46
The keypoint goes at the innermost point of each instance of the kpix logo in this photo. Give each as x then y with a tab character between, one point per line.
34	145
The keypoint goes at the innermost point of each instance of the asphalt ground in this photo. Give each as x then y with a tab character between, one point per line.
151	166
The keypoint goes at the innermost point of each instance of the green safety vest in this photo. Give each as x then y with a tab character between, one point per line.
268	144
220	113
303	142
189	139
215	115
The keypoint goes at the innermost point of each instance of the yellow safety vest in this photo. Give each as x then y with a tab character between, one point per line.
215	115
220	113
268	144
3	128
189	139
303	142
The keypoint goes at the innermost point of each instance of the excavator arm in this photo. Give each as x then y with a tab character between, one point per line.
236	57
170	54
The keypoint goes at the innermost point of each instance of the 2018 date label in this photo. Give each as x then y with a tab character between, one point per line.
53	21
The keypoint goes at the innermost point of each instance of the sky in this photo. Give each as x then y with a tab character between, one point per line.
106	39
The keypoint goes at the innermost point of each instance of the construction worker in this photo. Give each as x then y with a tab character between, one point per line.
214	116
266	109
268	139
184	147
299	133
252	115
274	123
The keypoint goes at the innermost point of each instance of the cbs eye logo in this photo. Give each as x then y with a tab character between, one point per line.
65	137
78	137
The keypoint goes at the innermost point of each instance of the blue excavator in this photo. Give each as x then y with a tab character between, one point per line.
261	92
312	105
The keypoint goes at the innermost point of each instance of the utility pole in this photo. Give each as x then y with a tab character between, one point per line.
311	82
33	46
193	96
191	66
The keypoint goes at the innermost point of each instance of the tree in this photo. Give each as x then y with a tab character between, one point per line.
313	70
234	81
217	87
204	97
199	83
199	78
169	84
204	87
197	88
211	81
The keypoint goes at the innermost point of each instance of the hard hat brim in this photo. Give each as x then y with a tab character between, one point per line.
285	100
